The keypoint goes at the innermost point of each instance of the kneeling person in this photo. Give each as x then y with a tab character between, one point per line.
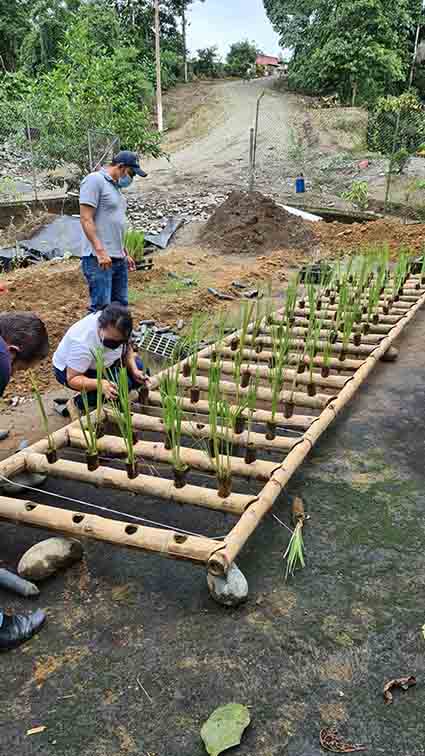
74	362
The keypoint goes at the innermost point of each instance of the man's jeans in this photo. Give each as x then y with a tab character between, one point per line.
112	375
106	286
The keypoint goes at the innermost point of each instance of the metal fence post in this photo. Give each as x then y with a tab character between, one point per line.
251	160
34	172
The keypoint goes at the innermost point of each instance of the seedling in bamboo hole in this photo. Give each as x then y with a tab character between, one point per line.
294	554
291	300
51	453
90	436
121	409
281	344
346	334
134	244
173	417
327	354
311	349
251	452
198	321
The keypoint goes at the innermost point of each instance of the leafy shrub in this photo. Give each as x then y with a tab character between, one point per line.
358	195
397	123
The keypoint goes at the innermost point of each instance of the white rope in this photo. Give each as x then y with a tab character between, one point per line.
111	511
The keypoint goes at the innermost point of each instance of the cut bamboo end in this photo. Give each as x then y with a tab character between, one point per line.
81	525
156	452
143	484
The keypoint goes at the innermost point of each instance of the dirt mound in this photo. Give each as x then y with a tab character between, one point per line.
250	222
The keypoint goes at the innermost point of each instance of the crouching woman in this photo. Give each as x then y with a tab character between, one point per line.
74	362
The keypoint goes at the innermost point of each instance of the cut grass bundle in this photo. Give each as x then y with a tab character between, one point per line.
134	244
121	409
294	554
173	417
51	454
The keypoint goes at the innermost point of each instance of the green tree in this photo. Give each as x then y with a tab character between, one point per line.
206	62
241	57
14	24
361	48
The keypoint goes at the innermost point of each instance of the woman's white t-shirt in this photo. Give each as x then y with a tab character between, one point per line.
78	347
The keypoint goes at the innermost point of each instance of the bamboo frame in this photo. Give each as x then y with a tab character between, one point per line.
217	555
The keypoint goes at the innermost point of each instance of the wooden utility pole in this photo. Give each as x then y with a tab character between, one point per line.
184	32
158	69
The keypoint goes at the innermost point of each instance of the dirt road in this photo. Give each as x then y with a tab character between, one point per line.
219	156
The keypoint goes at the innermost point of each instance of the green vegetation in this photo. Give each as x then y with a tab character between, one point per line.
358	195
134	243
51	454
361	49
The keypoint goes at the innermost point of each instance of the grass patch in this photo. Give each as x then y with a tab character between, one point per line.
167	288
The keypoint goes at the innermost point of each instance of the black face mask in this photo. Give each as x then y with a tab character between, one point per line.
111	344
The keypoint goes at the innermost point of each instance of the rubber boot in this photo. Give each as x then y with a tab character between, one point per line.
19	628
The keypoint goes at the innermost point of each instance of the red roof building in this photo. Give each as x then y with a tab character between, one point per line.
267	60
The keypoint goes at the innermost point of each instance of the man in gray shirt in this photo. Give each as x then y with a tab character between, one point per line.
105	262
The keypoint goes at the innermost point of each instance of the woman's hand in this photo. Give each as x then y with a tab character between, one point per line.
109	390
139	376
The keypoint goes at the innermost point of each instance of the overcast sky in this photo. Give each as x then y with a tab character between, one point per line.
221	22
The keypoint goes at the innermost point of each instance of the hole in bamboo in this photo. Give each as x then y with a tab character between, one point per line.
180	538
131	529
78	519
30	507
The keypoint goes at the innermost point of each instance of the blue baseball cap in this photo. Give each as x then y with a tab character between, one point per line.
125	157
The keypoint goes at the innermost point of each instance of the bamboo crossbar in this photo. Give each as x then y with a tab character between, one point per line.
329	314
194	459
203	431
369	339
332	382
143	485
263	394
219	563
259	416
329	325
80	525
250	355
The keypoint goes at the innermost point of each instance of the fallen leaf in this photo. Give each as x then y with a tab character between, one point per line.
36	730
330	741
224	728
401	682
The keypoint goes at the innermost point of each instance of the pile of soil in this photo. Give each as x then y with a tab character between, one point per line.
339	238
248	222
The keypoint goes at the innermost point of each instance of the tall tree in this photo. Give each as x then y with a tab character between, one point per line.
358	47
14	24
241	57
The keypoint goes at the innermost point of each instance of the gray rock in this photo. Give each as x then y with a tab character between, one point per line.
45	558
231	590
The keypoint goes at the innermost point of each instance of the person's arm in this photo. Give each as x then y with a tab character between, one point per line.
90	194
89	227
131	364
80	382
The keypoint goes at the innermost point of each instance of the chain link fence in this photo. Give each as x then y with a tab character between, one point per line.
38	159
350	158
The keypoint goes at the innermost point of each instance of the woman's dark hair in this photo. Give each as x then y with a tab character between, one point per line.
118	316
27	332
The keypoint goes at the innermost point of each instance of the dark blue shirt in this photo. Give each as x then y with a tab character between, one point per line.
5	366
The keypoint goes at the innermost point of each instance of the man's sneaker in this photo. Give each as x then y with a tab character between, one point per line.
19	628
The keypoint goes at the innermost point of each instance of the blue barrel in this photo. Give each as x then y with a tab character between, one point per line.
300	185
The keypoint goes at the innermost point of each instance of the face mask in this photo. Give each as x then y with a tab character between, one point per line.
125	182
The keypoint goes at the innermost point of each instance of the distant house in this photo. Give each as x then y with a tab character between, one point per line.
271	64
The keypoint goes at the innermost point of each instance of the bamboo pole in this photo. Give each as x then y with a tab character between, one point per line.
263	394
220	562
197	460
15	464
259	416
144	485
329	325
337	348
203	431
80	525
265	357
371	339
332	382
329	313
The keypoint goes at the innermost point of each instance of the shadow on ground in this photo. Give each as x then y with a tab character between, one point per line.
304	655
